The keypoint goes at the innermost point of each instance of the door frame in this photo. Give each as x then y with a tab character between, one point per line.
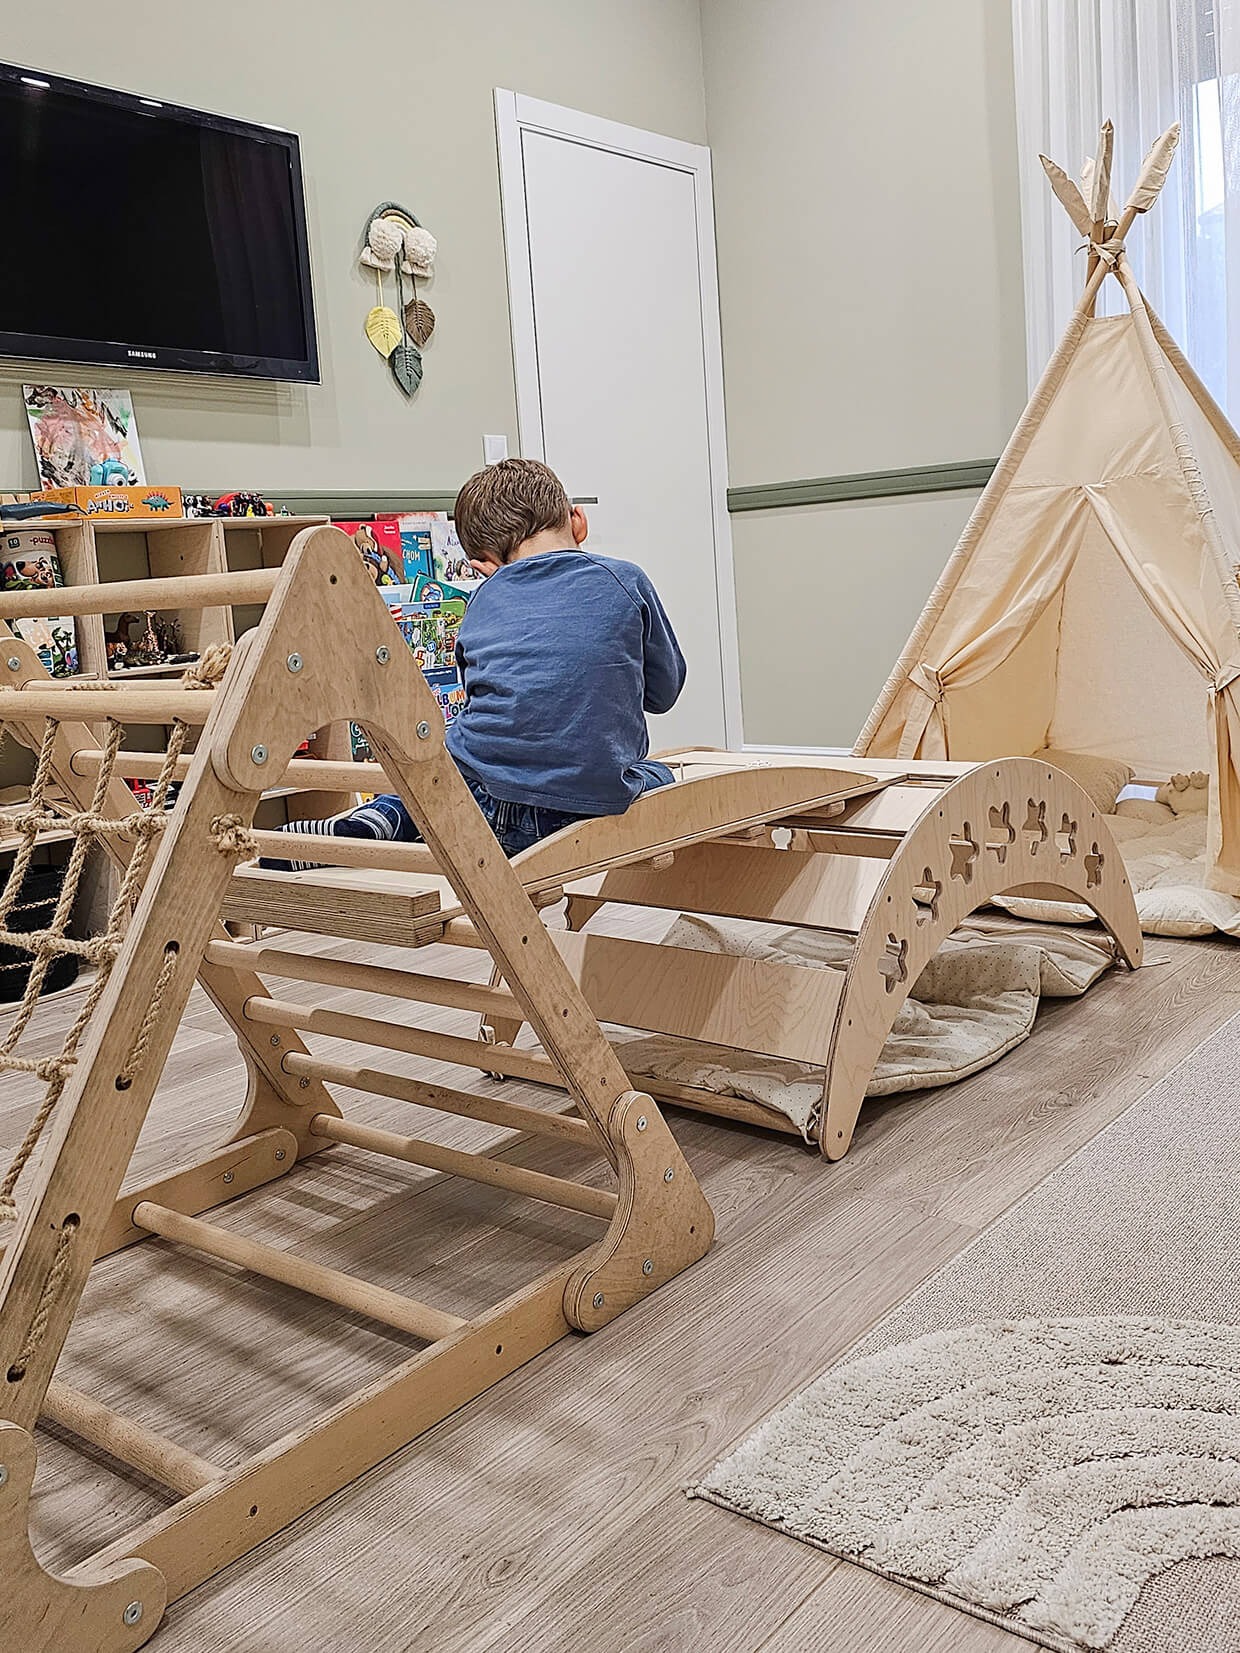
516	114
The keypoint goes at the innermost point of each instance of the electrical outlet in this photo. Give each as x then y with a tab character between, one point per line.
494	448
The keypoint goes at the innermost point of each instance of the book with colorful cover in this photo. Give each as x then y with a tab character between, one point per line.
448	690
416	541
379	546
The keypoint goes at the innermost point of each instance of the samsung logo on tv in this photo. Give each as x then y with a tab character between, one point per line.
146	355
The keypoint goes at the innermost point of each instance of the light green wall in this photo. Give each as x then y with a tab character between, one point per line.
392	100
869	264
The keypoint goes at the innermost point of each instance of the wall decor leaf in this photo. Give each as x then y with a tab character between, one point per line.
383	329
419	320
406	360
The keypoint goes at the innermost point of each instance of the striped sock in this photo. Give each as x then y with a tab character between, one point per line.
347	825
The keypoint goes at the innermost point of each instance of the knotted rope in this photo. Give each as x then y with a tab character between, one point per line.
89	826
209	668
49	1294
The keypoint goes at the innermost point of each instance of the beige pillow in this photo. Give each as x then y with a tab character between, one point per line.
1102	778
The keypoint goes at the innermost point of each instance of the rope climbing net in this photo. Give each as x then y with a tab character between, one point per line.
138	829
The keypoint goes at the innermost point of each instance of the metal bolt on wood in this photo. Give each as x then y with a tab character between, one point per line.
641	1122
648	1266
294	662
228	1176
4	1474
383	654
424	731
132	1613
14	663
258	754
598	1300
669	1175
281	1153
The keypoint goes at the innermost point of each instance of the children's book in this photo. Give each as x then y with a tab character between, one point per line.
379	545
53	640
415	529
450	562
448	691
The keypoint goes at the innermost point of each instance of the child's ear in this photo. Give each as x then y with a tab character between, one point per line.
484	566
579	525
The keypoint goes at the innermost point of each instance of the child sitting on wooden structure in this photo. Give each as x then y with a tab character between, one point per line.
561	652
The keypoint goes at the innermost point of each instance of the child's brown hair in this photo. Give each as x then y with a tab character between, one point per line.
506	504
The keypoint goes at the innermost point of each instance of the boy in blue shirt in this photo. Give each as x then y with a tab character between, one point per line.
561	653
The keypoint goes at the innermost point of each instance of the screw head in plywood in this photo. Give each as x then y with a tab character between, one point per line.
132	1613
383	654
598	1300
14	663
423	731
258	754
294	662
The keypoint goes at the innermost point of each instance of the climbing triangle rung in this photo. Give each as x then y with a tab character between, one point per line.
444	1099
404	1313
127	1441
496	1173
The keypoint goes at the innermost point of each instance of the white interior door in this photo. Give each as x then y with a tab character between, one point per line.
610	243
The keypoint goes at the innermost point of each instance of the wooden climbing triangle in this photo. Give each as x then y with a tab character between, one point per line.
325	651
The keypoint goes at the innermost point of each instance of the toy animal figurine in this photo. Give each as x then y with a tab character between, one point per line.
1186	794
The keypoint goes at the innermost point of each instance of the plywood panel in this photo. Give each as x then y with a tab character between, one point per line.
776	1009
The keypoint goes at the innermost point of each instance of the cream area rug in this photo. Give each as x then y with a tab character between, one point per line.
1047	1433
975	1000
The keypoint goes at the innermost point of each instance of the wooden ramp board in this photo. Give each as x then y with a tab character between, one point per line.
780	886
781	1010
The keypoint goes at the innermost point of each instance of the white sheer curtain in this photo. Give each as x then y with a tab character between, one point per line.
1142	64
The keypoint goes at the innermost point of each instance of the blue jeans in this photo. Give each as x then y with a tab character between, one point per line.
516	826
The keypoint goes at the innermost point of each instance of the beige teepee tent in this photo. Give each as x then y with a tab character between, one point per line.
1092	604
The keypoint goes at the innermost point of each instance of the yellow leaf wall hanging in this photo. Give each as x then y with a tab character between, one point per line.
383	329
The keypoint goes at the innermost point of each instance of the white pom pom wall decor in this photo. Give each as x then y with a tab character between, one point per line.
394	241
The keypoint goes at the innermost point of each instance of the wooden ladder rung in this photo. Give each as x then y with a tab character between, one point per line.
496	1173
366	978
127	1441
444	1099
414	1041
406	1314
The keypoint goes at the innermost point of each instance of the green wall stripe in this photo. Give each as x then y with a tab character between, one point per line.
358	502
828	490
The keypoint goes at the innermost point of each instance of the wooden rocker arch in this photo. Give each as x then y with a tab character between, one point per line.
325	650
896	860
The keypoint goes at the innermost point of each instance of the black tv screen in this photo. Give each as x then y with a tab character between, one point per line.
140	233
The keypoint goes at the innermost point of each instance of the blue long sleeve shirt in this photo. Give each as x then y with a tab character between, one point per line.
562	654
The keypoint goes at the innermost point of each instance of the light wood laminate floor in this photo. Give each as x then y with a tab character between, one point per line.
549	1516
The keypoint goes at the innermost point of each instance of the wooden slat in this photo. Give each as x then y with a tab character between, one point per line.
147	705
365	978
414	1041
186	591
496	1173
368	853
744	1004
314	774
377	1303
895	810
127	1441
295	902
444	1099
756	882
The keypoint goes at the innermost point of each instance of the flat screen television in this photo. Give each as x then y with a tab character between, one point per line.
138	233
